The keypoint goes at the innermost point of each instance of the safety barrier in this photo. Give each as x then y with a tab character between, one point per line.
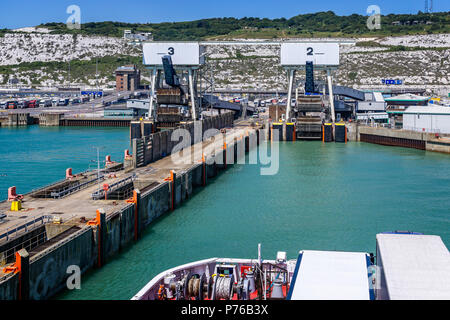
100	193
27	226
74	188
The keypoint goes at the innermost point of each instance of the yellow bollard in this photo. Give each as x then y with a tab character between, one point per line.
16	205
57	220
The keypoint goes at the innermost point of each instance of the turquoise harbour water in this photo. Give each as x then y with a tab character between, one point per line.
325	196
33	156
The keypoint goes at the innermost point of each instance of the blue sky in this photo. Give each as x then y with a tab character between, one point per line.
24	13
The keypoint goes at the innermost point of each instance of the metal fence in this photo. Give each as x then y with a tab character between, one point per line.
63	192
8	256
100	193
33	191
74	188
60	243
20	228
36	240
417	129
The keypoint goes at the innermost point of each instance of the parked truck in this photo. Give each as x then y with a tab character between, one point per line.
12	104
45	103
31	104
63	102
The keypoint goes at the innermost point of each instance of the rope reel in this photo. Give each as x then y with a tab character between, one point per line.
191	286
197	287
223	288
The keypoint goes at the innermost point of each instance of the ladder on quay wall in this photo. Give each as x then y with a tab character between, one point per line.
139	153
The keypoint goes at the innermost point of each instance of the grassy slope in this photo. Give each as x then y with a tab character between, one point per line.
321	24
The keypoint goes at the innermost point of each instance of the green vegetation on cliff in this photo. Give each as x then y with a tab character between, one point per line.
80	70
321	24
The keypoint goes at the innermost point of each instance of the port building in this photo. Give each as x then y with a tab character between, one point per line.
434	119
407	99
128	78
372	108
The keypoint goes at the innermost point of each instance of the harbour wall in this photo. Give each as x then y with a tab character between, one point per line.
47	119
91	246
157	145
52	119
398	137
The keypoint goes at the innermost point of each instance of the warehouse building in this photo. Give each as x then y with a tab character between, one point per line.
434	119
138	104
396	106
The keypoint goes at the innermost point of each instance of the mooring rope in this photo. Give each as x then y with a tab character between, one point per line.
223	288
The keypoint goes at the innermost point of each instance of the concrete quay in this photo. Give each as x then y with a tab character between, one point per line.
399	137
92	231
55	119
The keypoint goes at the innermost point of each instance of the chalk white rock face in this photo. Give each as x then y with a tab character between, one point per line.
240	66
430	40
413	67
349	49
32	29
18	47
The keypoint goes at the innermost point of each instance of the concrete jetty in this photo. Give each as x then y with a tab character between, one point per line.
399	137
72	228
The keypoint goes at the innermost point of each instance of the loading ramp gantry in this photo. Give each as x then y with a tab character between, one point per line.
310	109
180	62
186	58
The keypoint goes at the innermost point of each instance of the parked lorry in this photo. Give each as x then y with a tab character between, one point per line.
45	103
12	104
31	104
63	102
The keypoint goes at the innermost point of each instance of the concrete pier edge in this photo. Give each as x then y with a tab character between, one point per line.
92	246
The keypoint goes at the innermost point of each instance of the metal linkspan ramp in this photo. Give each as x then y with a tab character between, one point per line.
347	92
331	275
